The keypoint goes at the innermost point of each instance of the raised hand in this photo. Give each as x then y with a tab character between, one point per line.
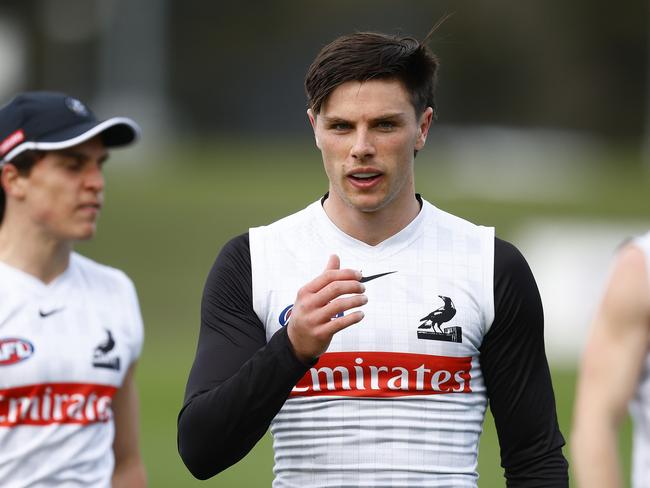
312	325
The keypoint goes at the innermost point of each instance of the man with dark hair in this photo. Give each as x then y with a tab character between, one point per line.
70	328
376	371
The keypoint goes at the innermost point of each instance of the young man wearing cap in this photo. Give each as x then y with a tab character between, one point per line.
70	328
378	370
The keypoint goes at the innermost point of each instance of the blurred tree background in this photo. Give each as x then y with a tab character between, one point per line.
239	67
542	132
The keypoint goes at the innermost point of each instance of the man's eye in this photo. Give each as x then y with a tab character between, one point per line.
386	124
74	164
340	126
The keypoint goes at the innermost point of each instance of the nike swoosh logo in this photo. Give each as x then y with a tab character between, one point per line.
50	312
364	279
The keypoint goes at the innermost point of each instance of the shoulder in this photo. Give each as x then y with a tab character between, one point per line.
286	224
99	275
111	289
634	256
508	259
289	236
459	224
237	247
643	244
628	287
231	266
515	288
513	278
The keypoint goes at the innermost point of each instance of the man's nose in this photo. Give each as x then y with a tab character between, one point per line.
363	146
94	177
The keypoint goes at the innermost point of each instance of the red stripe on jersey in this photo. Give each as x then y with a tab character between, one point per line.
56	403
385	374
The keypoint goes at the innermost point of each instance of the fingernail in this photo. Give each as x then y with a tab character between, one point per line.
364	298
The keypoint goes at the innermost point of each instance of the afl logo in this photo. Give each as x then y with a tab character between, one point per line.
14	350
285	315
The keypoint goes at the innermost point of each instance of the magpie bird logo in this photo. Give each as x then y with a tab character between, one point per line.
102	353
431	326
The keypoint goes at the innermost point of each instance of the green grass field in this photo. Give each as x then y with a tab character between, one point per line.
166	219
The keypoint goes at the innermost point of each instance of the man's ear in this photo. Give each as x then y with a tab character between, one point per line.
312	121
424	124
12	183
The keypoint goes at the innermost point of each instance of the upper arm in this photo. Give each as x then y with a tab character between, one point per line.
230	331
618	344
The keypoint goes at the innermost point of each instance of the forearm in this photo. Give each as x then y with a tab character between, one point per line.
532	454
600	406
594	449
129	474
220	426
547	471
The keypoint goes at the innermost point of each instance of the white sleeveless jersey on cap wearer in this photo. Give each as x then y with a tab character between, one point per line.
65	348
640	405
399	398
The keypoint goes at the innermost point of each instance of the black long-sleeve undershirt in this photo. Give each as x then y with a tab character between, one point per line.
239	382
518	380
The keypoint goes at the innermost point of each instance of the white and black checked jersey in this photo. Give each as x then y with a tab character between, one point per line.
65	348
453	321
640	404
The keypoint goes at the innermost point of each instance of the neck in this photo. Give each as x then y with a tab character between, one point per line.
29	250
372	227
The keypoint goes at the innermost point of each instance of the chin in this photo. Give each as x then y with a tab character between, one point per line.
367	204
85	234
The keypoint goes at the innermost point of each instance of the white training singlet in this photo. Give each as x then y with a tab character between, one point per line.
398	400
640	405
64	350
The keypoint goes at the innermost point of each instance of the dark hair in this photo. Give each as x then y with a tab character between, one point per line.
24	163
369	55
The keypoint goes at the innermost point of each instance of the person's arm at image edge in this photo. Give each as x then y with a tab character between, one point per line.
129	469
518	380
610	370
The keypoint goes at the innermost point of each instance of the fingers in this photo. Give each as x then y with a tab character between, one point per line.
340	305
341	323
333	262
320	308
332	273
314	318
337	289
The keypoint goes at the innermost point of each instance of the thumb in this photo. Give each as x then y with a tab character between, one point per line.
333	262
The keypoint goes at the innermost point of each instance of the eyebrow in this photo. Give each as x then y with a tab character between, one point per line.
386	116
79	155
